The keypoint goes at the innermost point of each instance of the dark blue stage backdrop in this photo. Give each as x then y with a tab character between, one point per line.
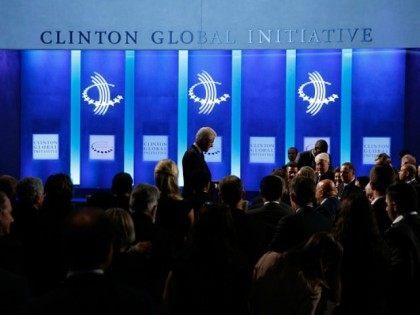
263	114
45	119
10	105
156	110
378	105
412	108
95	113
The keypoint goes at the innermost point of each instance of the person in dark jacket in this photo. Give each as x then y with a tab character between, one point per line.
266	217
307	158
295	229
403	239
326	196
88	243
193	159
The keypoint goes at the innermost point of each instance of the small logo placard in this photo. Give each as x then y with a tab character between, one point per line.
372	146
101	147
155	148
262	150
45	147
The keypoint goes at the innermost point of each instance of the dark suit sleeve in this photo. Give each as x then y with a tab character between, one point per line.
399	256
402	273
281	240
300	159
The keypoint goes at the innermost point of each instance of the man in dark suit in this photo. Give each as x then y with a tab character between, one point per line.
88	243
403	239
193	159
348	181
381	177
408	174
266	217
307	158
326	196
295	229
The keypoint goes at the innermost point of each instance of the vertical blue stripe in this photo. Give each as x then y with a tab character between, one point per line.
236	113
129	113
182	109
75	117
346	82
290	100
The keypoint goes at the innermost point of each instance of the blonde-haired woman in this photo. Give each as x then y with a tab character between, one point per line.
174	214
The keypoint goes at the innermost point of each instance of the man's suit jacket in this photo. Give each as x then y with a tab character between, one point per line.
403	239
306	158
329	208
193	161
297	228
346	190
327	175
381	216
264	221
269	215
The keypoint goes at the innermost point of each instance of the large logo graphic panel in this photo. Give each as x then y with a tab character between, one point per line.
104	101
210	99
319	97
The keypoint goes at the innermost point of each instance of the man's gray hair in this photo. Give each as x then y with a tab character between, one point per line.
409	159
412	171
205	133
144	197
322	156
28	189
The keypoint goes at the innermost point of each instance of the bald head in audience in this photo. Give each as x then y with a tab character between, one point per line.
324	189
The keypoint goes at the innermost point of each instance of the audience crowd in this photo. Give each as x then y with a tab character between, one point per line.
316	240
